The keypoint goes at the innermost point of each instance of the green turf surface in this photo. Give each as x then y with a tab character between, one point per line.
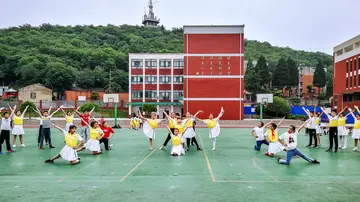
131	172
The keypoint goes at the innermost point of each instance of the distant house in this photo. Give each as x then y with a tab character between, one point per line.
35	93
3	89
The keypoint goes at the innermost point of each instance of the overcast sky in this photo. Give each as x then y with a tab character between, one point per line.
312	25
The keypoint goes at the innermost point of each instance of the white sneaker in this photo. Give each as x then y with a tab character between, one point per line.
161	147
355	149
151	148
343	148
213	149
14	146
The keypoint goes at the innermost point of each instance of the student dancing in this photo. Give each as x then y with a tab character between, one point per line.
85	117
150	126
96	134
214	126
258	134
272	137
69	117
176	140
356	131
5	129
18	129
333	131
289	141
311	127
72	142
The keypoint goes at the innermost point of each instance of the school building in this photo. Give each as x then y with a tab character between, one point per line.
208	75
346	77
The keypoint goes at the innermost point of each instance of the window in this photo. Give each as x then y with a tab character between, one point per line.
348	97
164	95
151	63
178	79
177	94
136	63
33	95
350	65
151	80
165	63
347	66
350	82
136	95
355	72
356	96
165	79
136	79
150	95
347	80
178	63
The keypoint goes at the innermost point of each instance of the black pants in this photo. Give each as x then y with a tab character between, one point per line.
192	140
45	132
168	138
333	136
5	136
39	137
106	143
312	134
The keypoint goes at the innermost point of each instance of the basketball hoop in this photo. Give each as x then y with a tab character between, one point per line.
265	101
265	104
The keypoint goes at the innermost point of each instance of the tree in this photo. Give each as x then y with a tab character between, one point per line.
293	72
262	71
329	83
94	96
148	108
281	75
319	76
30	109
279	108
89	106
252	80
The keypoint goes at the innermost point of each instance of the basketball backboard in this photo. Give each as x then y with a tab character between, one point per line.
264	98
111	98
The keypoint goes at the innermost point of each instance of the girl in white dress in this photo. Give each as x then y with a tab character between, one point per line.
273	137
342	131
190	133
356	131
18	129
214	126
72	142
69	117
149	127
93	144
318	126
177	148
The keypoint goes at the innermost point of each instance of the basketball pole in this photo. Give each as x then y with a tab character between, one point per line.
115	115
261	111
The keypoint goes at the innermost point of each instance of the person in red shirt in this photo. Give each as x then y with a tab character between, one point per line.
108	133
85	116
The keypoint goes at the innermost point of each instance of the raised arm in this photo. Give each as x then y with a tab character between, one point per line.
55	111
220	114
23	114
63	111
352	114
13	111
280	121
85	122
322	109
141	116
10	107
302	126
49	110
357	109
270	122
95	119
171	134
167	116
62	130
92	110
306	111
0	111
343	110
37	111
75	111
200	111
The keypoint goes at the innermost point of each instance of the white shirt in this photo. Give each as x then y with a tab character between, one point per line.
259	132
312	123
290	140
5	124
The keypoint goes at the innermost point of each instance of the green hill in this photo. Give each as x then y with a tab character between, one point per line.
62	57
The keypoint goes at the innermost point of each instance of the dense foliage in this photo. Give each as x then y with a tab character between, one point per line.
64	57
89	106
279	108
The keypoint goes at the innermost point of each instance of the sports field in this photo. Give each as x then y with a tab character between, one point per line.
131	172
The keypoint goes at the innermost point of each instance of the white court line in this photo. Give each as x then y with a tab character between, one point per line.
207	160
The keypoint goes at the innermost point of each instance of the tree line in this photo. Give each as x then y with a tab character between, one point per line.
82	56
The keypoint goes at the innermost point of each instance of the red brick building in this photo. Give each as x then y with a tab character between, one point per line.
214	70
346	83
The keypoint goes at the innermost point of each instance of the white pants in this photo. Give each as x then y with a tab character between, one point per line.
343	142
85	133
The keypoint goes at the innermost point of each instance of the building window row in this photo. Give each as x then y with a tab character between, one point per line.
136	79
151	79
352	71
153	63
152	95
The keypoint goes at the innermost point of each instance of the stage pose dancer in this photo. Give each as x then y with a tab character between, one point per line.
356	131
318	125
333	131
18	129
96	134
342	131
150	126
72	142
41	126
46	129
258	133
311	123
171	125
214	126
69	117
85	117
176	140
5	129
190	133
289	141
272	137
